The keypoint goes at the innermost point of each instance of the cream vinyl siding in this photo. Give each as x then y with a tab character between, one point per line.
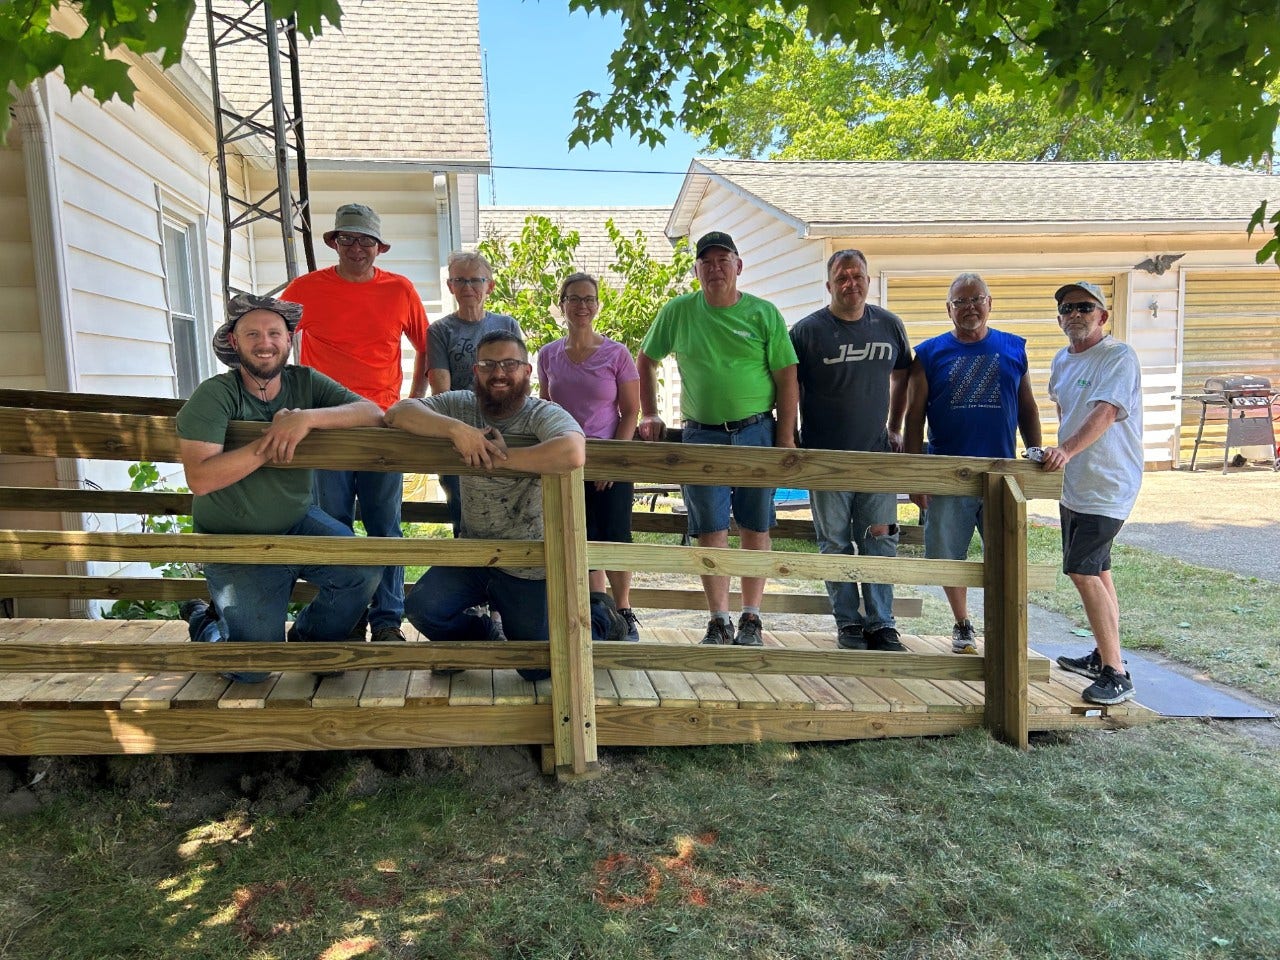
21	354
1022	306
1231	326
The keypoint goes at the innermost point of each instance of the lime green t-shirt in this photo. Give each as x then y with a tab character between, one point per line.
269	500
726	355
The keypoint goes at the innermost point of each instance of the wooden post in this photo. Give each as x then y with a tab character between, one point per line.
1005	604
573	701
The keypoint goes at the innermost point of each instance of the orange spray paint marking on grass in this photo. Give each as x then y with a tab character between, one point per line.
610	865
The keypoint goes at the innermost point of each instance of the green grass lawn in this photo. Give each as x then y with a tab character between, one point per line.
1158	842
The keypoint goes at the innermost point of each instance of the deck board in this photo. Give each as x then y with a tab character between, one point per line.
634	706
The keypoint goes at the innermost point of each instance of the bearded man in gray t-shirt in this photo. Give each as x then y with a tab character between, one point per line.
497	507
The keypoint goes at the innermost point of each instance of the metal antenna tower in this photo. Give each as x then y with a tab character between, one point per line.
273	121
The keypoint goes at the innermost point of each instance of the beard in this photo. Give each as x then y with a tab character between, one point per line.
264	369
503	396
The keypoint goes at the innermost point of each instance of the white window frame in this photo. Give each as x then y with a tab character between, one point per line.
178	216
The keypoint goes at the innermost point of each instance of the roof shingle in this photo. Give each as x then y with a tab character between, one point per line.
866	194
595	250
401	80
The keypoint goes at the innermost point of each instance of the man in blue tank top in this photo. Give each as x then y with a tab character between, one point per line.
972	387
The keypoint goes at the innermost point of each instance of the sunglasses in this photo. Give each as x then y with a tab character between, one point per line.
1066	309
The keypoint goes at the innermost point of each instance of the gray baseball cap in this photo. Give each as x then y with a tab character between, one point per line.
237	307
1092	289
355	218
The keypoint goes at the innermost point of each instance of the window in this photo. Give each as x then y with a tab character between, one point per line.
187	304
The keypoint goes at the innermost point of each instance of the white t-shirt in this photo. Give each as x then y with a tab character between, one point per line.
1104	478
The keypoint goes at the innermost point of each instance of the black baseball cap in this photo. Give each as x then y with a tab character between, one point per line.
715	239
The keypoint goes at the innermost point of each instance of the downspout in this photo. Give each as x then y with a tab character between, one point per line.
53	297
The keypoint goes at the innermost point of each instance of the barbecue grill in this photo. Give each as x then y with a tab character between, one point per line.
1247	400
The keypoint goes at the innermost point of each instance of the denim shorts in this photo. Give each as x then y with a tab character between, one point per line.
949	524
1086	541
709	507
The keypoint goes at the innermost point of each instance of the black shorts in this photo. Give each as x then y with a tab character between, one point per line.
1086	541
609	512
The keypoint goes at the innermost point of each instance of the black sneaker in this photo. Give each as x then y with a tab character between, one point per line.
750	631
388	634
962	638
633	623
884	639
1090	665
718	631
1111	687
851	638
605	612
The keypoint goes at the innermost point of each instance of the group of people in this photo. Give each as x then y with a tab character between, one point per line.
849	371
843	378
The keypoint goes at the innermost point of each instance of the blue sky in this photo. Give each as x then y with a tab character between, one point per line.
539	58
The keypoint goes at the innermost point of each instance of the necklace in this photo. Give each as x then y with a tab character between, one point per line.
262	384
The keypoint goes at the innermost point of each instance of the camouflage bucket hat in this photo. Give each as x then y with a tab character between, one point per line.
237	307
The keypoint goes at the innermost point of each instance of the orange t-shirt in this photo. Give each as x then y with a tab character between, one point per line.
351	331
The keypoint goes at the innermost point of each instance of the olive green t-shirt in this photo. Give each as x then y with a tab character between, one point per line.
269	500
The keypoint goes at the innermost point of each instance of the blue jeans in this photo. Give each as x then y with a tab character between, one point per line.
250	600
709	506
438	602
842	521
379	494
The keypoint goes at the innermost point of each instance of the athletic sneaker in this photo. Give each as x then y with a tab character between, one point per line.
886	639
962	639
851	638
1090	665
718	631
388	634
605	617
633	623
1110	687
749	631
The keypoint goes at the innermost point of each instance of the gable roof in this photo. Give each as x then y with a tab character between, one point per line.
834	198
400	82
595	250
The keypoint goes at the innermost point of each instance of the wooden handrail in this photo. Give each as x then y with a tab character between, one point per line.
35	423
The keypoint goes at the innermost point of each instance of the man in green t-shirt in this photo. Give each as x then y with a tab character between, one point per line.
737	365
234	494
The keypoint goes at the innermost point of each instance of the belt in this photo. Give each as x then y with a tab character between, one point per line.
729	426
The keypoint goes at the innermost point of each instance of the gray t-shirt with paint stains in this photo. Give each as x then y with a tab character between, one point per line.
505	508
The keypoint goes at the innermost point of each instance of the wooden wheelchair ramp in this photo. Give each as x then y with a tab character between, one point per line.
79	713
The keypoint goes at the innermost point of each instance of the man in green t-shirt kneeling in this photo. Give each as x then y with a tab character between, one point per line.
233	494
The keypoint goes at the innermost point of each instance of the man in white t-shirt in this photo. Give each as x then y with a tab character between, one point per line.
1096	382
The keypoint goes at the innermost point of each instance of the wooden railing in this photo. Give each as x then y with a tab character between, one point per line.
69	425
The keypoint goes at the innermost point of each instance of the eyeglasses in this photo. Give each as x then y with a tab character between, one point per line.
347	239
1086	308
573	301
469	281
506	366
967	302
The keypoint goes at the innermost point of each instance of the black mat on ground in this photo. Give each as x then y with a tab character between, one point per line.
1166	691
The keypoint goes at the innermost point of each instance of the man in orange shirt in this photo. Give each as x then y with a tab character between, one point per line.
353	318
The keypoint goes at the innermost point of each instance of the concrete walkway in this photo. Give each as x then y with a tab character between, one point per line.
1227	522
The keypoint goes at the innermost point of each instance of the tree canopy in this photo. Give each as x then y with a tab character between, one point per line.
1193	74
824	101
